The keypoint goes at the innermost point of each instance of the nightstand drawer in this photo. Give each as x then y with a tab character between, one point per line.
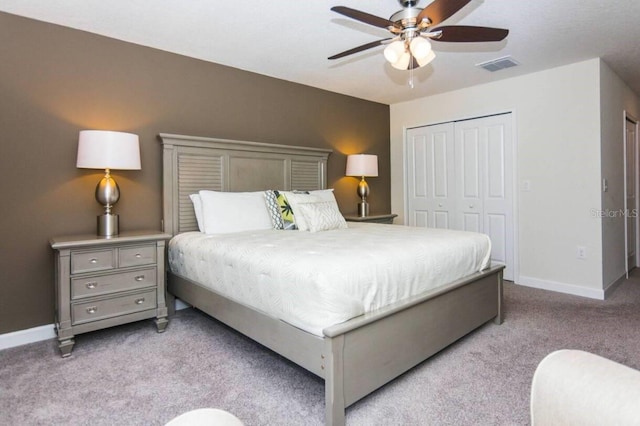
111	283
115	306
137	255
95	260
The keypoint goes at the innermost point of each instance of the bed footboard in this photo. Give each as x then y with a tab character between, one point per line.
366	353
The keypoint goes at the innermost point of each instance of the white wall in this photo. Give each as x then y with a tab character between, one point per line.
557	136
615	98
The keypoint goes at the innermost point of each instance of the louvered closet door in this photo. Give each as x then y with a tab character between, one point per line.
430	189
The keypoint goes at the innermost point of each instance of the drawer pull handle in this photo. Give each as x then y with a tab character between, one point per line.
138	255
140	301
92	309
92	284
93	260
139	278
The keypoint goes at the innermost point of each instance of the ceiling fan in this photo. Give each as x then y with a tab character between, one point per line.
413	27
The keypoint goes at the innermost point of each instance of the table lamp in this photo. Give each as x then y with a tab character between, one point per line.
362	165
101	149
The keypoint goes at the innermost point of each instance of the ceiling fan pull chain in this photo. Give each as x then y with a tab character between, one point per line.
410	76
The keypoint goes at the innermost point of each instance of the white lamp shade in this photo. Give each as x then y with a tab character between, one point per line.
420	48
393	52
403	62
362	165
102	149
424	61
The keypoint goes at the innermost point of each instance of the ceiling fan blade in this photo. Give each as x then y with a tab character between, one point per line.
439	10
364	17
462	33
359	48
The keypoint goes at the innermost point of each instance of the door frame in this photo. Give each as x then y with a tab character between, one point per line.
515	184
628	117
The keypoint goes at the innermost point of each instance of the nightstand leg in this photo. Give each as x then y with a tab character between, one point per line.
66	346
161	323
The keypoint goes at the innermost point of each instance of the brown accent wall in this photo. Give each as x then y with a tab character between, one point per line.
56	81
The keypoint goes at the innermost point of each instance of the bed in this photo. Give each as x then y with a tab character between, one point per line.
356	356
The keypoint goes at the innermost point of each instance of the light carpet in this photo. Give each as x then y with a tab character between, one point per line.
131	375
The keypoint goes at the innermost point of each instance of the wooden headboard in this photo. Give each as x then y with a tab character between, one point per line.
193	163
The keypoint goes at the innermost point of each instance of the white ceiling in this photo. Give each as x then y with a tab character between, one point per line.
291	39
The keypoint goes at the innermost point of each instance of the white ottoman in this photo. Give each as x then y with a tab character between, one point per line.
573	387
206	417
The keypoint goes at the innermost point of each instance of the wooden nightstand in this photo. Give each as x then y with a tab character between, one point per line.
105	281
381	218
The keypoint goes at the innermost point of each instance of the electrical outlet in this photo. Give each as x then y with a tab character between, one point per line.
581	252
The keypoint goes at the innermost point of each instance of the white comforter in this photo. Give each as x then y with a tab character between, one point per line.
315	280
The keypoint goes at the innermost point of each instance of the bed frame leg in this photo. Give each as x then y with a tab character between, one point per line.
334	381
500	317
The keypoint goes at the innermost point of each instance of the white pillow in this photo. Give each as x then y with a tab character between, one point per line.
324	194
322	216
296	198
197	209
225	212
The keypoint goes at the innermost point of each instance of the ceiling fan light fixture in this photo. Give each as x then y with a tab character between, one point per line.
394	51
403	62
420	48
413	28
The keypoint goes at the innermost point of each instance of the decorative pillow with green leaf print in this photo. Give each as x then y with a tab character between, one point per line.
286	212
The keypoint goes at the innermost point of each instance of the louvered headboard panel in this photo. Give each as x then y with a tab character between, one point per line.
194	163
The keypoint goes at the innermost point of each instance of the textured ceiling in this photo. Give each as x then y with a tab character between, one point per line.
291	39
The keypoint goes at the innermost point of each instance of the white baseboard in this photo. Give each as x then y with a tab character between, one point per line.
576	290
44	332
23	337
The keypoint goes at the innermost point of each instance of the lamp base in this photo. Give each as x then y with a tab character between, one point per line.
363	209
108	225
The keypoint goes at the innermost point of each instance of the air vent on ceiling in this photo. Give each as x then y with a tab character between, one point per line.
498	64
